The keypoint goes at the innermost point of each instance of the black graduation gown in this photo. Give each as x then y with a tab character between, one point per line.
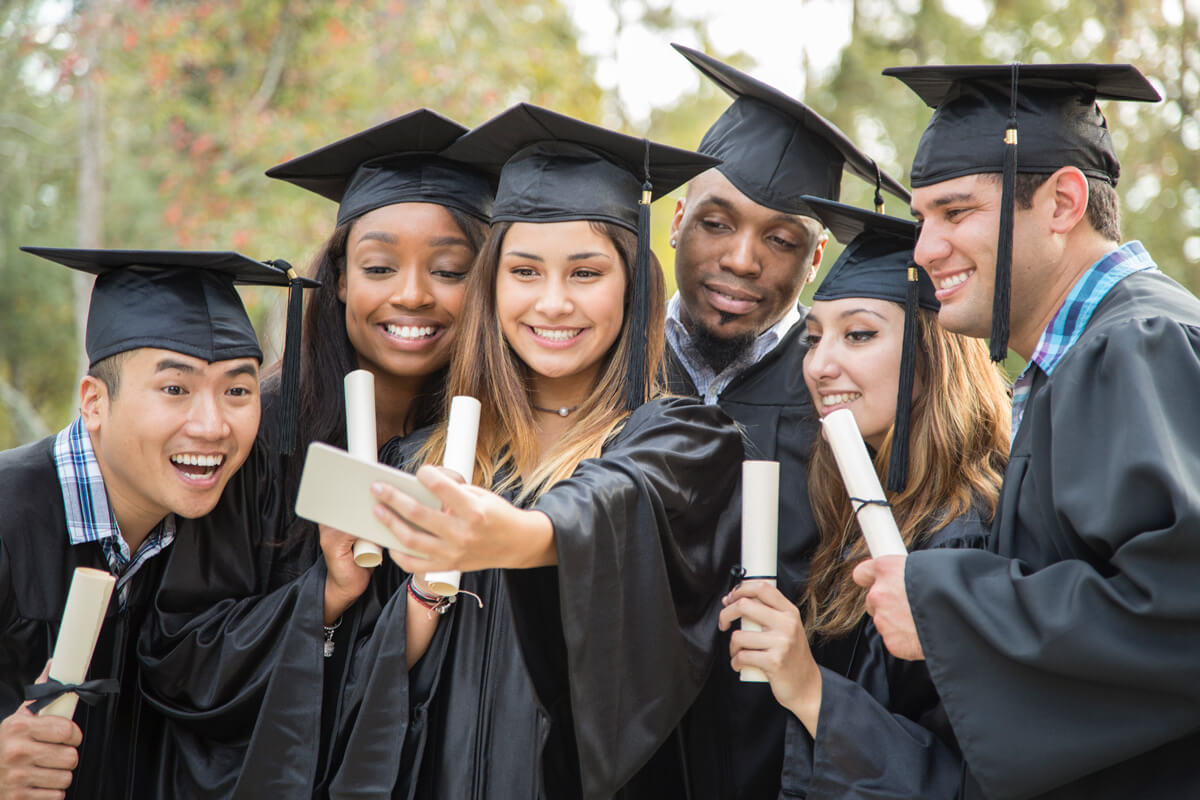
232	653
882	731
571	677
733	736
1067	657
117	757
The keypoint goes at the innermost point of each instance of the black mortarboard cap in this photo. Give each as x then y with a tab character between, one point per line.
397	161
775	149
555	168
878	263
183	301
979	109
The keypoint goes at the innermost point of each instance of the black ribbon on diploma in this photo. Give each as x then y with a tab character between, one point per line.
90	692
738	574
859	504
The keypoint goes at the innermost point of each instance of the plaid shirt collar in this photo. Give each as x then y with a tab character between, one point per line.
1068	323
89	515
709	384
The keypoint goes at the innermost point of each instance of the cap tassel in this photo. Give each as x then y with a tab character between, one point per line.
897	477
290	384
1002	292
878	189
637	380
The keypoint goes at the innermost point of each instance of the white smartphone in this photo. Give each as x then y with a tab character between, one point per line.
335	490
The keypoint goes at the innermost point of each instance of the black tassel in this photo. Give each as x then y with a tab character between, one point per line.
897	477
289	405
1002	292
637	380
878	190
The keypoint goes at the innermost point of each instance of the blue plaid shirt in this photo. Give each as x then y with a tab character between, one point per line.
89	516
709	384
1072	317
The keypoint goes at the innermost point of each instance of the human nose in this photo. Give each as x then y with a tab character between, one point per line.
740	257
206	418
820	363
554	300
412	289
932	246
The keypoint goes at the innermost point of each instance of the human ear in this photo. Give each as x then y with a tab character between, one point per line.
93	402
677	220
1067	191
341	285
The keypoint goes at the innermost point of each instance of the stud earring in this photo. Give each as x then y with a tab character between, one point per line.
672	241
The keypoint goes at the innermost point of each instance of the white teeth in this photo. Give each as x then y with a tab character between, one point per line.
411	331
557	335
838	399
195	460
955	279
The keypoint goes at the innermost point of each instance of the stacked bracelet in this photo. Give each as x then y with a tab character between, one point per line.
432	602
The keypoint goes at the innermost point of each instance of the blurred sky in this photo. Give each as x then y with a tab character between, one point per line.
778	34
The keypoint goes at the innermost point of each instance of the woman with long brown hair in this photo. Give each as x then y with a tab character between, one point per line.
594	537
936	419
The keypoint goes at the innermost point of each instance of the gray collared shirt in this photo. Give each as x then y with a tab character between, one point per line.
709	384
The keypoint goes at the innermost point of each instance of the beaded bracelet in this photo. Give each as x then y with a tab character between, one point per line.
431	602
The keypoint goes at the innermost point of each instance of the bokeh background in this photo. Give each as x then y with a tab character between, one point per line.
149	123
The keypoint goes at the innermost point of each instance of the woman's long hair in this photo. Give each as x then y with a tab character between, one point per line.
484	366
327	354
958	449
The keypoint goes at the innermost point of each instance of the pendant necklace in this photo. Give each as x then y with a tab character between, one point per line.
562	412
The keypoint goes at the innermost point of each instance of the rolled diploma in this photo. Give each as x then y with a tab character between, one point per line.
760	533
361	443
87	600
462	434
877	523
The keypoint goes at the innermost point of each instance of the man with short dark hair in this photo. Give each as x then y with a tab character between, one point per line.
746	245
1066	657
168	413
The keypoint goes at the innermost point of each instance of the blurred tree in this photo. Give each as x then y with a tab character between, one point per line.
192	101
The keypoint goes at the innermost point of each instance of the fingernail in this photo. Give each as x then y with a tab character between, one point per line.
377	489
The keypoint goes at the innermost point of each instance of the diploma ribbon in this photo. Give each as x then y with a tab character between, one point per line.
859	504
90	692
738	574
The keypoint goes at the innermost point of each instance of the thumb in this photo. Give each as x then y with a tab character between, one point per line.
865	574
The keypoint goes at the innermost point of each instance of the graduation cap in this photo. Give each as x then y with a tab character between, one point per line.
775	149
974	129
183	301
555	168
395	162
878	263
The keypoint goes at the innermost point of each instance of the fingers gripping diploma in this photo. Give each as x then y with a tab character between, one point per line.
780	649
37	754
475	529
887	603
345	580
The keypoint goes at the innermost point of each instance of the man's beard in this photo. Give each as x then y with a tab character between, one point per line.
718	351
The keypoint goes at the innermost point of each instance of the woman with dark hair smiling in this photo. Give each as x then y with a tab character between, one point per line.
252	607
594	537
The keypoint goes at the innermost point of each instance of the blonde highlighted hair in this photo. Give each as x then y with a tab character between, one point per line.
484	366
958	449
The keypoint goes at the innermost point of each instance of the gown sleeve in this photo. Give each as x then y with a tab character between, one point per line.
233	663
1080	652
625	627
882	732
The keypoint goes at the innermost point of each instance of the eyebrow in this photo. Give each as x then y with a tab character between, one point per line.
448	241
945	200
852	311
379	236
582	256
529	256
242	369
170	363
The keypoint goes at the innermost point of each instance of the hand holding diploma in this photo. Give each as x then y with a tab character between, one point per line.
474	529
779	650
887	603
345	580
462	436
37	752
